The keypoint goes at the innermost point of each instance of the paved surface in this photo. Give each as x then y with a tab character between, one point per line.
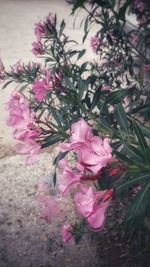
25	239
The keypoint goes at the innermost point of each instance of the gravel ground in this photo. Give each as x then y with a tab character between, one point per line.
25	239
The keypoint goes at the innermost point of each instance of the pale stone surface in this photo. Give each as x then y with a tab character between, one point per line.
25	239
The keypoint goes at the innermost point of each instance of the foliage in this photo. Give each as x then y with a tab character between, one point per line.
81	105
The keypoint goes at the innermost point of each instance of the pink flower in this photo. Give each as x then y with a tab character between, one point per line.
114	171
95	43
86	200
142	20
97	155
19	112
18	67
32	148
134	39
140	5
40	30
105	88
93	152
68	178
33	65
87	204
40	88
50	207
97	218
37	48
22	119
147	67
66	233
48	78
50	20
29	132
81	133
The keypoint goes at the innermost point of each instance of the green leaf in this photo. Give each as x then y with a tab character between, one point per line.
140	136
79	3
62	26
145	130
122	10
122	157
96	98
141	75
121	118
6	84
60	156
54	178
51	140
85	30
135	154
137	178
82	87
117	96
139	207
55	115
81	53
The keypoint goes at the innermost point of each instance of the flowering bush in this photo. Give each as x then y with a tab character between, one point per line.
98	112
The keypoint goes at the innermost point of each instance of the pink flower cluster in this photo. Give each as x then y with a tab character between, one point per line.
41	30
37	48
87	203
22	119
95	43
147	67
18	67
40	87
134	39
140	5
92	154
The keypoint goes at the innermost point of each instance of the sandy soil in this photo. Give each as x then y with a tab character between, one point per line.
25	239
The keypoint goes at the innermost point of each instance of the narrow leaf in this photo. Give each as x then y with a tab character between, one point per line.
117	96
138	178
121	118
140	136
139	207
